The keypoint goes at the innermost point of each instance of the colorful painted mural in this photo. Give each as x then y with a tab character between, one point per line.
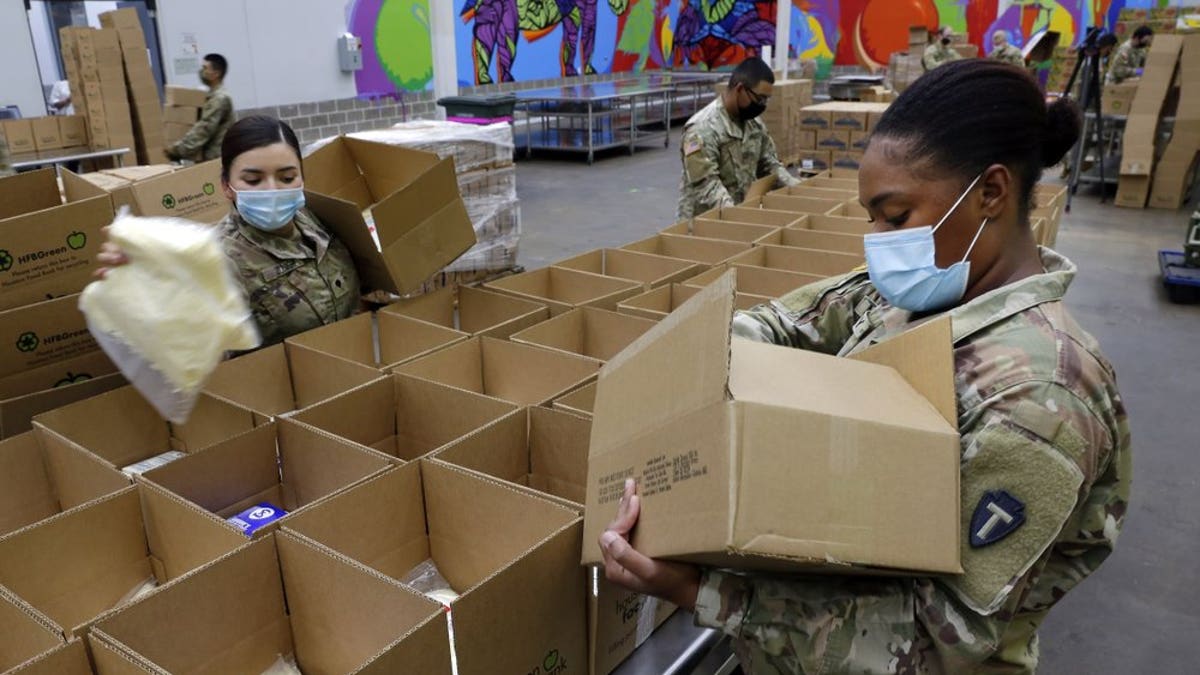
521	40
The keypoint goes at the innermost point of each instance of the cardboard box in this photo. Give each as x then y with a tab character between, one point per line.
651	270
805	190
24	635
88	366
193	193
508	371
843	224
1115	99
819	240
185	97
404	416
420	220
581	401
47	248
708	441
741	214
46	135
831	183
1133	192
474	311
39	480
816	120
180	115
280	379
68	659
807	261
848	120
288	465
400	339
847	160
44	334
806	139
726	230
859	141
121	428
760	282
851	210
546	451
563	289
73	129
595	333
81	563
694	249
814	160
660	302
19	134
173	132
294	598
833	141
797	204
506	552
121	18
18	410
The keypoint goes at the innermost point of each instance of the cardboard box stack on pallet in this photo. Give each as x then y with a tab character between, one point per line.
834	134
42	134
905	67
1176	170
144	101
95	71
782	116
180	111
1141	147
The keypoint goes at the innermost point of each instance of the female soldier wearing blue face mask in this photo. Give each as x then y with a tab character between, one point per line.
296	274
948	179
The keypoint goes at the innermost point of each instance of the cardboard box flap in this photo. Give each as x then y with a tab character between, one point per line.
28	192
345	219
68	659
924	356
182	537
390	167
26	494
22	635
679	366
781	376
760	187
260	380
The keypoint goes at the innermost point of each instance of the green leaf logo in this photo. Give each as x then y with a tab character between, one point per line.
6	261
551	661
168	201
76	240
28	342
209	189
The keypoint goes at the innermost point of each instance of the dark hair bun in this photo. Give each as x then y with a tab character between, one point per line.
1063	122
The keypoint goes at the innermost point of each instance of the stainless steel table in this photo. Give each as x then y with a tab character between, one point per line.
57	157
678	647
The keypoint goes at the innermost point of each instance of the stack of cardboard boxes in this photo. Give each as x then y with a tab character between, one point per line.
144	100
905	67
95	71
1141	146
835	134
42	134
181	111
1175	173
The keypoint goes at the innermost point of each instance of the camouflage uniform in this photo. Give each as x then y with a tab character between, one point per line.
5	159
1008	54
721	158
293	283
203	141
938	54
1125	63
1040	418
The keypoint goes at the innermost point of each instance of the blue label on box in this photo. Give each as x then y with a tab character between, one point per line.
256	517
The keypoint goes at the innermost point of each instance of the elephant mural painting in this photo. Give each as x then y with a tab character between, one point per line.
499	23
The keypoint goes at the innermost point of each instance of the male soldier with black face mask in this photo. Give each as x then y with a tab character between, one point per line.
726	148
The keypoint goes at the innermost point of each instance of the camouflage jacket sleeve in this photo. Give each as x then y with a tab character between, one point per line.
1040	440
701	169
769	164
216	109
817	317
1124	64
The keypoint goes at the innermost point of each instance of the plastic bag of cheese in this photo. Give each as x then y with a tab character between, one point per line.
168	317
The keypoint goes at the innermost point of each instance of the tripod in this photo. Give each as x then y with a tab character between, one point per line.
1089	94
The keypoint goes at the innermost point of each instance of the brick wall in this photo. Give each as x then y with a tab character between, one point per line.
321	119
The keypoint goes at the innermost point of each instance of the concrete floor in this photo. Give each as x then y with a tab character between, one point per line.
1141	612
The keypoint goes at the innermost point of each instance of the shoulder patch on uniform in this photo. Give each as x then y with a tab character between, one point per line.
692	144
997	515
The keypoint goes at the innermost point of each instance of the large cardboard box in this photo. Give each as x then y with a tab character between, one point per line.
563	289
517	373
404	417
833	140
83	562
412	196
814	160
23	634
280	596
474	311
399	339
760	282
18	410
694	249
280	379
808	261
651	270
47	248
755	216
68	659
39	480
193	193
587	331
1115	99
290	466
46	135
660	302
1139	148
507	553
89	365
726	230
794	204
820	240
19	134
121	428
73	129
737	469
546	450
847	160
187	97
41	336
580	401
816	120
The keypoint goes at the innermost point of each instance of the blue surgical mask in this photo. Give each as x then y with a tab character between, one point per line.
269	210
903	269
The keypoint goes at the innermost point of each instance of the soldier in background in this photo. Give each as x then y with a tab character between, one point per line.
1045	438
939	52
726	148
1130	58
1004	52
203	141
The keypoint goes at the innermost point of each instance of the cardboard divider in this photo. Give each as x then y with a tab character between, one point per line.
820	240
546	451
502	549
754	216
761	282
842	224
850	209
293	598
402	416
81	563
594	333
806	261
579	402
563	289
474	311
518	373
651	270
39	480
832	183
695	249
798	204
287	465
727	230
660	302
68	659
399	339
805	190
23	634
281	379
121	428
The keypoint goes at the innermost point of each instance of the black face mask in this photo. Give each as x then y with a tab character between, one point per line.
945	41
751	111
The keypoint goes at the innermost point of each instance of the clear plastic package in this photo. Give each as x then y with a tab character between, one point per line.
426	579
